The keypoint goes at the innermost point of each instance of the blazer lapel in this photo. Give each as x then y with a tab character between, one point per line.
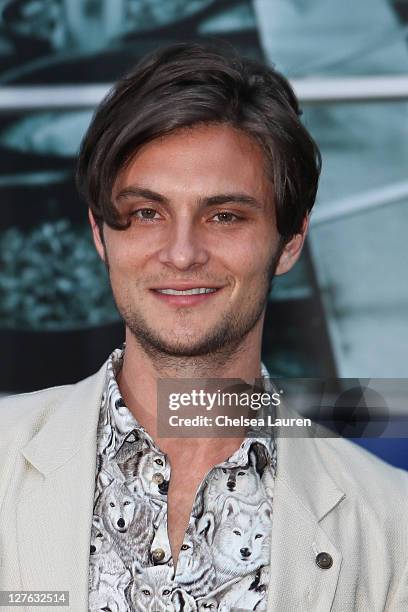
54	511
304	494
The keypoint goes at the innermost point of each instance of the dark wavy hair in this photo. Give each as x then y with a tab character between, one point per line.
186	84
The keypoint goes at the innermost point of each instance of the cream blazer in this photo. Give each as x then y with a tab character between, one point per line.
330	496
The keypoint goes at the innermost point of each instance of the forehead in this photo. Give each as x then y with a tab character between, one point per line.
202	159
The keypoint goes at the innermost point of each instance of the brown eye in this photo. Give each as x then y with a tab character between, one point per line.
241	473
126	503
166	592
185	547
258	535
146	592
159	462
226	217
236	532
99	535
112	505
144	213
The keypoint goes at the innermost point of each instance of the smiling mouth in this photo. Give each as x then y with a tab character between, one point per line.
194	291
186	296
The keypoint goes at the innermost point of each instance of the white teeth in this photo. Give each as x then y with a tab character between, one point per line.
195	291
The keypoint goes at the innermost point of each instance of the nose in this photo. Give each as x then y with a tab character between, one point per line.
93	549
184	247
245	552
121	523
231	485
164	486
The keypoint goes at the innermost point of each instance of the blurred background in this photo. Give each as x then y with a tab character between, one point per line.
342	310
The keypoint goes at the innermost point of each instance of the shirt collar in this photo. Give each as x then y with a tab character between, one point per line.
112	402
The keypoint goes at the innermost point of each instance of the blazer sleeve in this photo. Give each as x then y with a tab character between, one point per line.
399	600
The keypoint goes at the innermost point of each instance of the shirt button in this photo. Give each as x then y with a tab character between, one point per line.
324	560
158	478
158	554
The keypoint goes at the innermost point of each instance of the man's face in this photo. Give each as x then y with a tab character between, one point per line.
203	217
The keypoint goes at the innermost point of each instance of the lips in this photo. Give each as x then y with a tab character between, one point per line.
186	296
185	286
193	291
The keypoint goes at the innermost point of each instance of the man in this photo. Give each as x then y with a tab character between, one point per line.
200	179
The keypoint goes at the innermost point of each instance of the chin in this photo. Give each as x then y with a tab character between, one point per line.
182	349
174	346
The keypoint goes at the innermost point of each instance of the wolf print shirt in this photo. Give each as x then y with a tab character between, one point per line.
224	560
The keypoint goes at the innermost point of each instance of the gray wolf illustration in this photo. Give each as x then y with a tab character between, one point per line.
123	418
127	518
242	482
181	601
196	569
144	465
103	558
115	421
247	593
132	444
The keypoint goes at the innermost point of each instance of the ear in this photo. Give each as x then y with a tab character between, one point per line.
257	457
97	521
104	478
136	486
96	234
136	568
265	512
292	250
230	509
122	580
206	526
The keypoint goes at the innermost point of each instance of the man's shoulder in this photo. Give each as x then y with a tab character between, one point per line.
27	411
24	414
363	474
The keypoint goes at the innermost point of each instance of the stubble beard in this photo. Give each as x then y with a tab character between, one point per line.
214	348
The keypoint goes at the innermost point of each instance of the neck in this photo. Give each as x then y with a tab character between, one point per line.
141	370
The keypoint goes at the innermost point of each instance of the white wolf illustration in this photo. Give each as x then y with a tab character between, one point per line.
240	542
152	588
110	596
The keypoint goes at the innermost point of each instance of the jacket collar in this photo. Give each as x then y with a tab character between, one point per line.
71	423
305	469
300	460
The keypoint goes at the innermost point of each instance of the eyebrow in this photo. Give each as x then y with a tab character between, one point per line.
215	200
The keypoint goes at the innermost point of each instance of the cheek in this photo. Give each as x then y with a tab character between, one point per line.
255	273
123	259
255	258
124	252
